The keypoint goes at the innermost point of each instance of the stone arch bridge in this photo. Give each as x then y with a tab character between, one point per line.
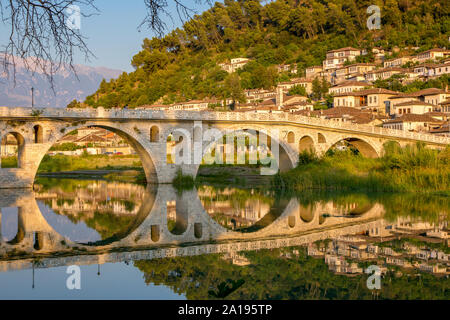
147	131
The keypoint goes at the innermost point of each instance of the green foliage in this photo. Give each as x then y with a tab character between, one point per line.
61	163
394	83
74	104
409	169
67	146
298	277
37	113
9	162
182	182
183	65
298	90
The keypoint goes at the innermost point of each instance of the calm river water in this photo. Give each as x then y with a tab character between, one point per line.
135	242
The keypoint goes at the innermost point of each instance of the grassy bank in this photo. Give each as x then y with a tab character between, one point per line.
61	163
410	169
9	162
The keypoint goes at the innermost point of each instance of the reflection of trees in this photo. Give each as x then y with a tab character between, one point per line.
271	276
425	207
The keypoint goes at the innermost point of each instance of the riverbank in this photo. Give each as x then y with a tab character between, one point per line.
410	169
62	163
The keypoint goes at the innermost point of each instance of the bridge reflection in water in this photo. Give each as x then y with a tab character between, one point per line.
87	222
195	240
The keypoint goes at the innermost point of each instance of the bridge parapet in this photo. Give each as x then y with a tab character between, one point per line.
111	114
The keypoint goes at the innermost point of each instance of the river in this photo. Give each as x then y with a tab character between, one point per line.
236	242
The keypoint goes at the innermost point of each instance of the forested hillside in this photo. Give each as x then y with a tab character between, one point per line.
183	65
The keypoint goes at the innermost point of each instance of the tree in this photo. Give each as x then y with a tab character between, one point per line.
43	36
298	90
233	89
74	104
316	89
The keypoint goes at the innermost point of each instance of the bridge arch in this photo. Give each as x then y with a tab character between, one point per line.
38	134
20	234
321	138
367	148
306	213
154	134
20	140
133	137
306	143
288	157
291	137
179	216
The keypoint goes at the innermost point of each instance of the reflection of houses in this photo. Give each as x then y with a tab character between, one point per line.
338	264
360	247
236	213
236	259
117	198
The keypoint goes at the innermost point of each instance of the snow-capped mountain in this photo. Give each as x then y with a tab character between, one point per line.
67	86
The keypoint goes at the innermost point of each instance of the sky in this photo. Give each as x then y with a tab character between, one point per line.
113	34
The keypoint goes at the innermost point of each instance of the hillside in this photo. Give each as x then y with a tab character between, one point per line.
67	86
184	64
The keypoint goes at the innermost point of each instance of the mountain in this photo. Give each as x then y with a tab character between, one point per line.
67	86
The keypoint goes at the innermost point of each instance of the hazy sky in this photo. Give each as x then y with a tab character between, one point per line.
113	34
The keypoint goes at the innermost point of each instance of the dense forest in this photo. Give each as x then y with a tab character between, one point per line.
183	65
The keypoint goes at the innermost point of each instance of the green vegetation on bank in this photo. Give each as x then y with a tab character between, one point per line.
9	162
61	163
409	169
183	65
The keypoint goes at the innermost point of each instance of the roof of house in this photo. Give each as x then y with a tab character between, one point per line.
413	103
387	70
445	102
366	92
344	49
352	83
437	113
444	128
91	138
435	50
424	92
412	117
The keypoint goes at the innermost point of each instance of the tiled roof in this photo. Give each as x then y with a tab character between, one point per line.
344	49
413	103
412	117
352	83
